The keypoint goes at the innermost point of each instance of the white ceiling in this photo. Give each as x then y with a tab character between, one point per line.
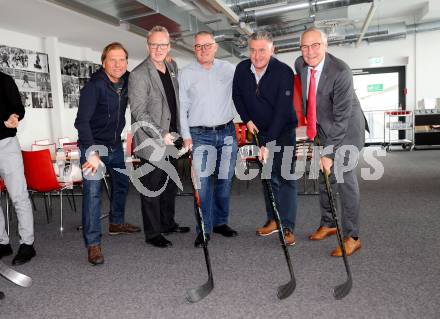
41	18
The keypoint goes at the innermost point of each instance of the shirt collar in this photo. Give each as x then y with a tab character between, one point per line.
319	67
255	71
214	64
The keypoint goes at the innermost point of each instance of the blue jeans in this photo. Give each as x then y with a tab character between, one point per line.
214	158
91	204
285	191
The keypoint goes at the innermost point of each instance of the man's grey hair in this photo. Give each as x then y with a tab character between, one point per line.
157	28
204	33
315	29
261	35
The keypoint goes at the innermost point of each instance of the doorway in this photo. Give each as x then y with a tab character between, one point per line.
379	90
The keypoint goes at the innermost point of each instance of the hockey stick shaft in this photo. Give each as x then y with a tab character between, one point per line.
197	294
287	289
344	289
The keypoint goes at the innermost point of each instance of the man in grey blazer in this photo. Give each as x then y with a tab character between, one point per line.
154	103
334	115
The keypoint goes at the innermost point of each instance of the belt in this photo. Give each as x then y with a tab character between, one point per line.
212	128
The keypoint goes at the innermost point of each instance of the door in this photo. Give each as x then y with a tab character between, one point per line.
379	90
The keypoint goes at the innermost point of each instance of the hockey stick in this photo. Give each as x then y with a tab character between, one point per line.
197	294
342	290
285	290
14	276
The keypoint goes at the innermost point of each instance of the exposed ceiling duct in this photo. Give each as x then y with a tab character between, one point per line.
312	6
232	21
241	5
374	34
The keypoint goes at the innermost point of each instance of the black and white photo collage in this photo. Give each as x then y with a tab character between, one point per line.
75	75
30	71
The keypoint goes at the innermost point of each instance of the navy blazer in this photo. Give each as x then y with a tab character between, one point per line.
270	103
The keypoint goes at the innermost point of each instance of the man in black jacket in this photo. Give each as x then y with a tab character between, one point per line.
100	121
12	172
263	95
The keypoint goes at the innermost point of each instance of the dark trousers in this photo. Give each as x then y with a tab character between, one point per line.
350	202
158	212
284	190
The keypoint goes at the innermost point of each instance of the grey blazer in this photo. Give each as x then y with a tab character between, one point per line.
148	103
340	118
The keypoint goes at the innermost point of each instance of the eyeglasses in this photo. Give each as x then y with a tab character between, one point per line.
313	46
155	46
206	46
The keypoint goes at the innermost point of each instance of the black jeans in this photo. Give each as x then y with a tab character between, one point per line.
158	212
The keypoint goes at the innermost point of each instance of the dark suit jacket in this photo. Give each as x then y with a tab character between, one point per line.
148	102
338	111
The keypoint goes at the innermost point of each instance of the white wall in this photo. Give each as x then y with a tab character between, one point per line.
59	121
418	52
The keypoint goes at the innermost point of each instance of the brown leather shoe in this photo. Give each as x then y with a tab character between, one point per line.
95	255
269	228
351	246
289	237
116	229
322	232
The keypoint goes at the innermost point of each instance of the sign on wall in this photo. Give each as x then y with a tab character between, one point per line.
75	75
30	70
375	88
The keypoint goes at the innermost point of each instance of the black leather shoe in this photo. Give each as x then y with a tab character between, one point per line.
5	250
25	254
225	230
199	240
178	229
159	241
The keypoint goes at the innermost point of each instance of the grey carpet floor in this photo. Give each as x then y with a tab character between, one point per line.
396	274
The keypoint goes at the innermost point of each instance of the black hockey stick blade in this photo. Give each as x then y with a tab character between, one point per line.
197	294
286	290
15	276
343	290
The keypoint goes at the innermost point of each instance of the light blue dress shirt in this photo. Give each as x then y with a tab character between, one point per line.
205	95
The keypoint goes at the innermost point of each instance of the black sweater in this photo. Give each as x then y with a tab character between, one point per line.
271	106
10	103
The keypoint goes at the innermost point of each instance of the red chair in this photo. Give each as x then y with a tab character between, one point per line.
4	191
297	101
51	147
41	178
240	132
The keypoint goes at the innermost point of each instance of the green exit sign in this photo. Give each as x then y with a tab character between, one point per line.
375	88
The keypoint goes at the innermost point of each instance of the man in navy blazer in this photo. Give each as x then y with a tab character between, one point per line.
340	124
263	96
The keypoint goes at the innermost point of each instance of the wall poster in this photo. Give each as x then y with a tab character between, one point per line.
30	70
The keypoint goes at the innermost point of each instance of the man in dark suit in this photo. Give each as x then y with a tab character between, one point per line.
153	91
335	118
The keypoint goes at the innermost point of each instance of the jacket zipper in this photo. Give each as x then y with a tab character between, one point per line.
119	110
